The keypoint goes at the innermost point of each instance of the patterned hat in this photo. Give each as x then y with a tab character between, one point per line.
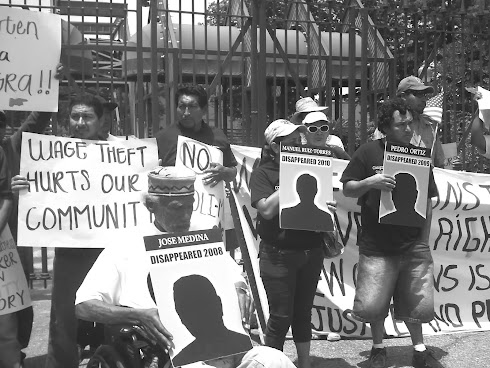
171	181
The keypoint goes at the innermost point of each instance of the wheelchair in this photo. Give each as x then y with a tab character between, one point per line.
126	347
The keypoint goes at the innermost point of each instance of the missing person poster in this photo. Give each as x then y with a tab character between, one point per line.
30	49
208	200
305	178
406	204
193	281
14	291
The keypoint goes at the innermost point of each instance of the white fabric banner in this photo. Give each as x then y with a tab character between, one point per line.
83	193
460	232
14	291
30	49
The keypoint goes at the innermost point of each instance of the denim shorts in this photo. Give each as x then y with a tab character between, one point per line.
408	278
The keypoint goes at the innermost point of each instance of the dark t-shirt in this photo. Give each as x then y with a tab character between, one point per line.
167	142
264	182
374	237
5	192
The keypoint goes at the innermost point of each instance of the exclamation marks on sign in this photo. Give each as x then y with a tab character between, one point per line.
42	82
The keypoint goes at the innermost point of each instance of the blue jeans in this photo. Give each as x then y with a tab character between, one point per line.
408	278
290	278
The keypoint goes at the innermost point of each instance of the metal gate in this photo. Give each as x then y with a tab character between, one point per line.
257	57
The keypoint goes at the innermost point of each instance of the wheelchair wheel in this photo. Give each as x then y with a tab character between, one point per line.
106	357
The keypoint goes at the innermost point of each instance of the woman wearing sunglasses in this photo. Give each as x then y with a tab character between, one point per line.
317	134
290	260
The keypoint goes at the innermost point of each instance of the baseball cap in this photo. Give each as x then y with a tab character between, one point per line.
306	104
3	117
315	116
413	83
280	128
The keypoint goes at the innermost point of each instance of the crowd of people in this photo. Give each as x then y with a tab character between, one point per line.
104	286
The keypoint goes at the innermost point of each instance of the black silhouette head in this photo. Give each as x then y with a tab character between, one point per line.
197	304
405	193
306	187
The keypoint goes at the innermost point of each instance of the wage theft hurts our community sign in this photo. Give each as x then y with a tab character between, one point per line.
30	49
84	193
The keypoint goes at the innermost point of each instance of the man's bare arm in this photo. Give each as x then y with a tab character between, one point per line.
148	319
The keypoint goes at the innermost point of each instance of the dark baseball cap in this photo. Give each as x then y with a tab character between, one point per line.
3	119
413	83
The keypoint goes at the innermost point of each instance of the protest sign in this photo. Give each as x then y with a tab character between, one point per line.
459	242
450	154
406	204
14	291
484	106
208	201
26	36
305	178
83	193
193	283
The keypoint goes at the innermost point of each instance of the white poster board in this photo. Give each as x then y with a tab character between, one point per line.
194	289
83	193
14	291
450	154
208	201
30	49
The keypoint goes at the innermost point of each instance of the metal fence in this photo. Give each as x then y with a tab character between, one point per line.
257	57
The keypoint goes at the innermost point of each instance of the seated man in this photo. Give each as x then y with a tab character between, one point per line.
116	290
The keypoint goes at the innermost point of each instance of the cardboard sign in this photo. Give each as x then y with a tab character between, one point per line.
407	204
450	153
194	291
484	106
14	291
208	201
83	193
30	49
305	178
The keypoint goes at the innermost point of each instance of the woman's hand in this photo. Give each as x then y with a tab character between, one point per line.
332	206
19	183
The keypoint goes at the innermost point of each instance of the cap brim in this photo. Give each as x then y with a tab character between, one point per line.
316	121
422	88
109	105
289	129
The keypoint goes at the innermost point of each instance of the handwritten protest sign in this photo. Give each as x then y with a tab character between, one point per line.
306	185
459	241
26	36
406	204
192	278
208	201
14	291
450	154
484	106
83	193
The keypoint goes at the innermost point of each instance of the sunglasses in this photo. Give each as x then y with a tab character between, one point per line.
314	128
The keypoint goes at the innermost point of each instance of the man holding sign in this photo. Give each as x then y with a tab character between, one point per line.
70	265
394	260
192	102
116	290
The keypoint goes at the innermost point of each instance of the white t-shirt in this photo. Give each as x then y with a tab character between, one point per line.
332	140
119	276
